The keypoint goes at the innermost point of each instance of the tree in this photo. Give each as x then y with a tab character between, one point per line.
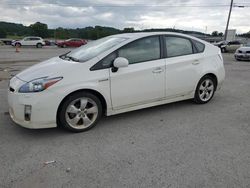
39	29
220	34
215	33
128	30
61	33
3	33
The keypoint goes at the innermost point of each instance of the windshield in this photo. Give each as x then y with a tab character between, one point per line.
94	48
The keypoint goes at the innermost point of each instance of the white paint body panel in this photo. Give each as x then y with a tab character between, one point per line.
134	87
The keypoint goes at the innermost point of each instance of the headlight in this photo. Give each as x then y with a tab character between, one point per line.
38	85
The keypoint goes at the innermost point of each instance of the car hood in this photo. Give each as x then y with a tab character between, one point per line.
53	67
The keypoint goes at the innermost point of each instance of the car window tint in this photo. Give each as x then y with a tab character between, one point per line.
145	49
177	46
108	61
199	46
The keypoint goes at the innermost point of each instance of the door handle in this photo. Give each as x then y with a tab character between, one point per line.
196	62
157	70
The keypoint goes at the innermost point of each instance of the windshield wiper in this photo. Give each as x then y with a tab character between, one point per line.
67	57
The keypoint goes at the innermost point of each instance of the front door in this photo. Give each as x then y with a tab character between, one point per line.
143	81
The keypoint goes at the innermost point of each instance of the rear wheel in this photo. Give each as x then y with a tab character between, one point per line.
64	46
205	90
80	112
39	45
223	50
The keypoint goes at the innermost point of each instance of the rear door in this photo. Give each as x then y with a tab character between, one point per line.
182	65
27	41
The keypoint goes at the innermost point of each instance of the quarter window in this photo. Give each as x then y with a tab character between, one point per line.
199	46
177	46
142	50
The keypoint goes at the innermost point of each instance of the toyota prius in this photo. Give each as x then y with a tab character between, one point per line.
112	75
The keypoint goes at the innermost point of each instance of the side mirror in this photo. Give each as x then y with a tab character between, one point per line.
119	62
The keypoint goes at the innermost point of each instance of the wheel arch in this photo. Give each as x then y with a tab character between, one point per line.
96	93
213	76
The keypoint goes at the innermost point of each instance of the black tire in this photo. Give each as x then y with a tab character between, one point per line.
223	50
18	45
198	92
39	45
64	46
62	113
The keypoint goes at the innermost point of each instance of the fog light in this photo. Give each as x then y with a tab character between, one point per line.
27	112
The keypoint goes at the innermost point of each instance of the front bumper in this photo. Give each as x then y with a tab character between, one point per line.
43	113
241	56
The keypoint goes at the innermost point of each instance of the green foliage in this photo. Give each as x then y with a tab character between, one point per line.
3	33
39	29
215	33
246	34
220	34
15	29
128	30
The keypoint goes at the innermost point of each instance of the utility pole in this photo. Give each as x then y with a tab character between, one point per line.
228	19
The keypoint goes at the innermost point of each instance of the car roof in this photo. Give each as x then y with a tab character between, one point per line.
145	34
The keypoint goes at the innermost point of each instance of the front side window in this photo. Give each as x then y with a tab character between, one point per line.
178	46
141	50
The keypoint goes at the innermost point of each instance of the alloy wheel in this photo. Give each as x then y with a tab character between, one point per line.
206	90
81	113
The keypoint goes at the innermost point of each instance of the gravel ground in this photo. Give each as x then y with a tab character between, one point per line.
180	145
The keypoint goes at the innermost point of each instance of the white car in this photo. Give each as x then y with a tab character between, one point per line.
243	53
29	41
112	75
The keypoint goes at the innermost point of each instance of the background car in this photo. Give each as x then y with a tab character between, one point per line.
221	43
231	46
243	53
50	42
74	42
29	41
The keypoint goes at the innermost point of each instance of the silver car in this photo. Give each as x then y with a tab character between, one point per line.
243	53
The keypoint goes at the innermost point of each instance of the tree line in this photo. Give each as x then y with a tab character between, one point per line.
42	30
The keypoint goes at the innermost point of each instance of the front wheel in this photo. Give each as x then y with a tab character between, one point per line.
205	90
80	112
18	45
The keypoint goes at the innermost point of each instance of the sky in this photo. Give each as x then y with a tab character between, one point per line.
199	15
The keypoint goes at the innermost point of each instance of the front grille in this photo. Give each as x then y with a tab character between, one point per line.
12	89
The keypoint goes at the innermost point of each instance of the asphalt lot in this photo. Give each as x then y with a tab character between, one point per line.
179	145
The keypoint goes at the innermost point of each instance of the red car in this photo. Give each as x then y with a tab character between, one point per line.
72	43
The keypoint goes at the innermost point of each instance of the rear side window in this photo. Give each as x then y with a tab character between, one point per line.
199	46
145	49
178	46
